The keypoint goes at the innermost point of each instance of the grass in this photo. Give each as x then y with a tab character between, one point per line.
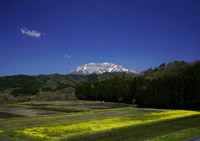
177	136
95	124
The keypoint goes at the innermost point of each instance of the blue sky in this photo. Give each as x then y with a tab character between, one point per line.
56	36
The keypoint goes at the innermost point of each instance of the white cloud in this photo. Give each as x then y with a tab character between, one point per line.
67	56
32	33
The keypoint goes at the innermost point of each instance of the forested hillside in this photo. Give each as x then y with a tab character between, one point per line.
20	88
52	80
167	69
179	89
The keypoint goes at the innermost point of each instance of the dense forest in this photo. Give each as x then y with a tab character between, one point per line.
176	89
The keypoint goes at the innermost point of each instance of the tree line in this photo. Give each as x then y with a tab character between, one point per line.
177	91
116	89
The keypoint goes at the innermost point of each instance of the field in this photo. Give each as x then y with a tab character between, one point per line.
93	120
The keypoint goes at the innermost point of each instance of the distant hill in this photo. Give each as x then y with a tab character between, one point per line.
54	81
167	69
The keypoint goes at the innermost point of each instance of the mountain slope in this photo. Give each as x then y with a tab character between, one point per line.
99	68
172	68
54	81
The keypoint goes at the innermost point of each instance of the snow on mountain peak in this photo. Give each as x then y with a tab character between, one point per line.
99	68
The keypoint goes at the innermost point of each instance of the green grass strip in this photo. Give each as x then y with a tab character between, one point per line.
177	136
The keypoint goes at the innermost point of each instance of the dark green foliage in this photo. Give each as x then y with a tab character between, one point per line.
116	89
19	81
47	89
169	69
181	91
62	86
30	91
93	77
41	81
162	66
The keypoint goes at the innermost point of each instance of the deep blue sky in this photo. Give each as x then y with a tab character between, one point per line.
136	34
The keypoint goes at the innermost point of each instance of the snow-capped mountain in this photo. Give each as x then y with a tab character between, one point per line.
99	68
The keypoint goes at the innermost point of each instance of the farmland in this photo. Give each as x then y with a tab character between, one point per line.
94	120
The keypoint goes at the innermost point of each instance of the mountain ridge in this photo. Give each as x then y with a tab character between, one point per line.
100	68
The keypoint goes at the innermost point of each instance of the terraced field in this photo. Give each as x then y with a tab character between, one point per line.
88	120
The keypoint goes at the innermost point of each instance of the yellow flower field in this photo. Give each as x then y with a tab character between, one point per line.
50	132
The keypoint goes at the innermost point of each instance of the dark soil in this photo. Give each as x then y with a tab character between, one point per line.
29	112
196	138
2	139
36	104
99	106
47	113
8	115
57	109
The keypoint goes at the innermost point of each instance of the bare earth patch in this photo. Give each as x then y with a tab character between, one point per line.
30	112
36	104
98	106
57	109
4	115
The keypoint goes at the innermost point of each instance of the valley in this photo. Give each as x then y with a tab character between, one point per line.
159	104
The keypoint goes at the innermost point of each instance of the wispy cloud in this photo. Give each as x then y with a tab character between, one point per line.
32	33
67	56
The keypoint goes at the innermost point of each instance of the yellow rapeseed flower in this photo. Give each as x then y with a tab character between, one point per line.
103	124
